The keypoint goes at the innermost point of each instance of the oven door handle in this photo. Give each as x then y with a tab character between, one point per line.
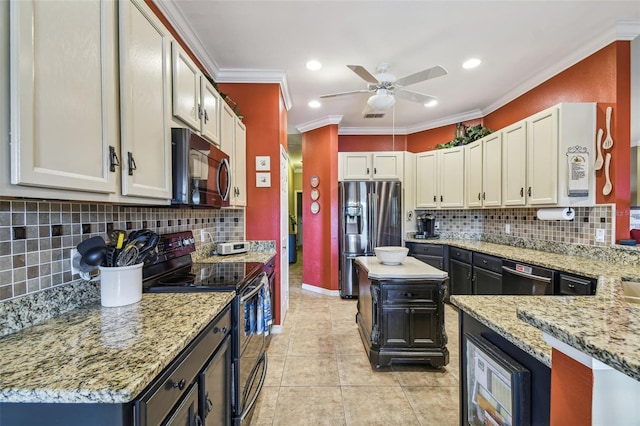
523	274
255	291
250	405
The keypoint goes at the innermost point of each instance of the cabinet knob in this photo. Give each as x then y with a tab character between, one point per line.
217	330
406	311
571	286
180	385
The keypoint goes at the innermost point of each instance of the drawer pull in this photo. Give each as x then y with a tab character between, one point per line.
180	385
408	294
217	330
571	286
484	261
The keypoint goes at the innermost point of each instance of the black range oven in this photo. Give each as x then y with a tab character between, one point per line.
175	272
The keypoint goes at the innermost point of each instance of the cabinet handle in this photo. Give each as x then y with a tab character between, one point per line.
199	111
484	196
367	170
571	286
209	404
180	385
217	330
206	116
408	294
375	171
474	277
529	192
441	198
113	159
198	421
132	163
434	198
478	195
522	192
406	311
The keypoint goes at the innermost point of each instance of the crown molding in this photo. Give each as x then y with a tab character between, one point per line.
321	122
445	121
174	15
248	75
623	30
372	131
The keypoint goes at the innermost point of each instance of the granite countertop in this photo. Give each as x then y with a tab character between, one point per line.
250	256
103	355
604	326
410	268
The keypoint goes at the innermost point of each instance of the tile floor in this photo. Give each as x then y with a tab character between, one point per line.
319	374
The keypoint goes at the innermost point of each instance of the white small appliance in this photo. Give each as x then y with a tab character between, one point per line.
233	247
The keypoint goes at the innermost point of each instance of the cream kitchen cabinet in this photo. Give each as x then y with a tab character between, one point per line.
514	164
483	172
144	102
440	178
371	165
195	101
542	158
233	141
63	82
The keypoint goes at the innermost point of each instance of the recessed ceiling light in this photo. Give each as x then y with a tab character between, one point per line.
431	103
314	65
314	104
471	63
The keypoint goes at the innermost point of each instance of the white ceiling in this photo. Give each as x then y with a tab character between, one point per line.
521	44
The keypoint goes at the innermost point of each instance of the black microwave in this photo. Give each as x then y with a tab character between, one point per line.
201	173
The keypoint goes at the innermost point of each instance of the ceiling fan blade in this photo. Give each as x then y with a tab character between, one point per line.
427	74
351	92
363	74
414	96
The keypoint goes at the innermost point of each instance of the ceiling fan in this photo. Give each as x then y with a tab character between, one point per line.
385	86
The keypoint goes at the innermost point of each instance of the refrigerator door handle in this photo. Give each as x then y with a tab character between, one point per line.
370	240
374	235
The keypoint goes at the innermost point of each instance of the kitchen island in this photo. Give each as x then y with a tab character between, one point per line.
95	358
401	313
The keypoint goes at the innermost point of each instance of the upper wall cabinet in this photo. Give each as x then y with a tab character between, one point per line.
233	141
144	100
514	165
63	73
370	165
483	172
440	178
195	101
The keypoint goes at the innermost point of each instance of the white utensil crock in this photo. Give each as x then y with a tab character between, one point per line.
120	286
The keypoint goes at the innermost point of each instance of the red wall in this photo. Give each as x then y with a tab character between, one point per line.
320	247
264	115
605	78
359	143
571	391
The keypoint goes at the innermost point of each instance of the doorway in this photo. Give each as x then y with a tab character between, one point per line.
298	212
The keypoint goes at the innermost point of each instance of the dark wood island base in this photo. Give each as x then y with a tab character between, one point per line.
401	320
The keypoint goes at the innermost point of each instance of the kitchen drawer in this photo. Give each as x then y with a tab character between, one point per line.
425	249
404	294
486	261
460	254
579	286
435	261
171	386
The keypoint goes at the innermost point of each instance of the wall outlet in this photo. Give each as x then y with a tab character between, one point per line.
507	228
202	235
436	225
74	271
600	235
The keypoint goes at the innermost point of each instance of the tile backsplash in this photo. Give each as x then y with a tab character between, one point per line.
36	237
490	225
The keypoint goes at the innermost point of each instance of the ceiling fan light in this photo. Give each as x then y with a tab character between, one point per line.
381	101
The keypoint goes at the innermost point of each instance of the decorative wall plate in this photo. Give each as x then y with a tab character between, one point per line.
315	194
315	207
314	182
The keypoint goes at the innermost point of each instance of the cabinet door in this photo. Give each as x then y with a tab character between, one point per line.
459	277
187	412
487	282
514	164
426	179
240	163
473	178
423	325
388	166
542	157
63	94
396	327
144	70
215	388
357	166
186	88
451	166
435	261
210	122
227	143
492	170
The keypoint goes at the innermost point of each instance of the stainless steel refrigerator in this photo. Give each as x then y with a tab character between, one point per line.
370	216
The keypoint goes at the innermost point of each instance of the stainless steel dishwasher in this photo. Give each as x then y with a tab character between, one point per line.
521	279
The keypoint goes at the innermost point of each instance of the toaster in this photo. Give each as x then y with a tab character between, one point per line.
233	248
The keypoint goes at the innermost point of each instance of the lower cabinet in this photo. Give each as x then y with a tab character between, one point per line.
215	387
460	277
431	254
402	320
487	274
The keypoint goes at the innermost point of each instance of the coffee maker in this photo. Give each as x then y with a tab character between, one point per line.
426	226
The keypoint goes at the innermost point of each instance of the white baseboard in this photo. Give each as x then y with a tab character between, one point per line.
324	291
276	329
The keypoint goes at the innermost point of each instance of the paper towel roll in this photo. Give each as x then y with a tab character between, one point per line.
556	214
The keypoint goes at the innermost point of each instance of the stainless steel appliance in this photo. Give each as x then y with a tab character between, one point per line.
426	224
521	279
370	216
175	272
201	174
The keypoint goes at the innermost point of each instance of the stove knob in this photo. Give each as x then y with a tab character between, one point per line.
186	242
192	240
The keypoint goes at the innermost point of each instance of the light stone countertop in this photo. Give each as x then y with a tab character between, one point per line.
410	268
604	326
103	355
250	256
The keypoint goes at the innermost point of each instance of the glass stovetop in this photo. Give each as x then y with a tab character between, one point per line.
205	277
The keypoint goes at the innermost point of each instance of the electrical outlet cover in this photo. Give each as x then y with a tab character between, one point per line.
507	228
600	235
74	271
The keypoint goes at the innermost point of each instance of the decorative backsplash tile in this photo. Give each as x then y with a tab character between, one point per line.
36	237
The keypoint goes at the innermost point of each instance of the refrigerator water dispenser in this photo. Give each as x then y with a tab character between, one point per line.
353	219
